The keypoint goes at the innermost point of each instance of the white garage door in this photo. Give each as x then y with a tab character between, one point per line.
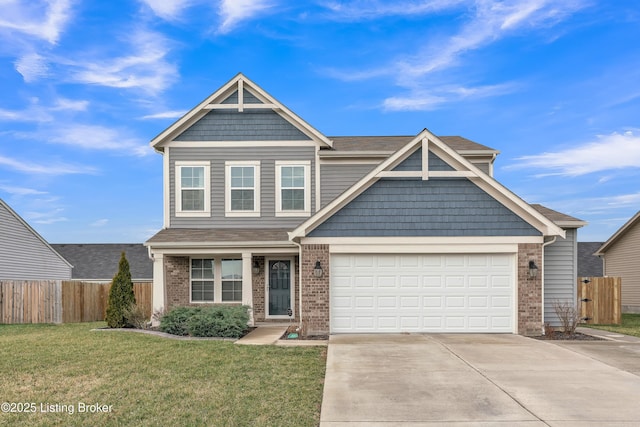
422	293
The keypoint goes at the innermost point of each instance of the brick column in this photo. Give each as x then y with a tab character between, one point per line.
529	290
315	290
176	279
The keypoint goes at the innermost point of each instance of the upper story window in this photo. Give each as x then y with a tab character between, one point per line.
293	188
242	186
193	189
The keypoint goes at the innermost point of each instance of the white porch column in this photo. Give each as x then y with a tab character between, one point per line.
157	299
247	284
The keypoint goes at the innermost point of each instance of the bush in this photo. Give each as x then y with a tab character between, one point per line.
216	321
569	316
134	314
121	296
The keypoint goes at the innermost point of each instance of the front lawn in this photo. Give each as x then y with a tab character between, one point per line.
146	380
630	325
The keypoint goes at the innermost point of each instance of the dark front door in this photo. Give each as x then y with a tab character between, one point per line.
279	287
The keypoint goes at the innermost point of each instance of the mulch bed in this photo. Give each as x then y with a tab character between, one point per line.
558	336
292	329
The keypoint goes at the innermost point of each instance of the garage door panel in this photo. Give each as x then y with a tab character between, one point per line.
425	293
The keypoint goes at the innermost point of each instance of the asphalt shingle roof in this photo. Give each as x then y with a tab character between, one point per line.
589	265
222	235
394	143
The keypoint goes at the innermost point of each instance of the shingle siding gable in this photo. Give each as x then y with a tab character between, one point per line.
437	207
414	163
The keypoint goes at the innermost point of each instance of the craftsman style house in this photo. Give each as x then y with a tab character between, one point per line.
349	234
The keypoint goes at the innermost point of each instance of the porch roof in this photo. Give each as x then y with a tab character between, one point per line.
219	237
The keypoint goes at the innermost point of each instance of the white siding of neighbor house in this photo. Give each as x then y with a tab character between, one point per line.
622	259
560	274
23	253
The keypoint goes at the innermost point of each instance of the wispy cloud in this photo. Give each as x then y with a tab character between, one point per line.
169	10
46	217
32	67
99	223
608	152
42	19
94	137
35	112
174	114
361	10
233	12
20	191
146	67
47	168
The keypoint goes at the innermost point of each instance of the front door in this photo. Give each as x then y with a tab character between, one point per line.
279	287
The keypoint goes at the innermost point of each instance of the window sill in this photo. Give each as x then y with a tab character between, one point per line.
193	214
248	214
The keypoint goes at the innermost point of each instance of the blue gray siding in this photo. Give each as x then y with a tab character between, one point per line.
247	96
437	207
217	157
560	274
335	179
414	163
250	125
23	255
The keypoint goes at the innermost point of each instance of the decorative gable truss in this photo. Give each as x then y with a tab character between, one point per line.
239	95
424	158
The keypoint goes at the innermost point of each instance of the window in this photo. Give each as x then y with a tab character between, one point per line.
192	189
242	188
202	280
293	188
232	280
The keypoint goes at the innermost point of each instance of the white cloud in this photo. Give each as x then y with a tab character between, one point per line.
233	12
48	217
608	152
175	114
169	10
21	191
94	137
38	113
48	168
145	67
359	10
32	66
43	19
99	223
64	104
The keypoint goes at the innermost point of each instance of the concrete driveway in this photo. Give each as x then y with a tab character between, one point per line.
459	380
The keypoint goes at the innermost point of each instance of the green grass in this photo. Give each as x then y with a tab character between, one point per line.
151	381
630	325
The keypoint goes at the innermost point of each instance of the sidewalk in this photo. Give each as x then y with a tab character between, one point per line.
608	335
263	335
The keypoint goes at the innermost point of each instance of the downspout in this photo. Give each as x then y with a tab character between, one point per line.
544	244
299	284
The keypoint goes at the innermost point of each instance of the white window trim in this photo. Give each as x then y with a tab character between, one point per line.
292	286
306	164
178	189
256	189
217	279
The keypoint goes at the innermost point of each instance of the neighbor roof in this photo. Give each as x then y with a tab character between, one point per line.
618	234
589	265
100	261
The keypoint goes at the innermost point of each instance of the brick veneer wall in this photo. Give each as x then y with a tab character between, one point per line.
529	290
258	291
176	281
315	290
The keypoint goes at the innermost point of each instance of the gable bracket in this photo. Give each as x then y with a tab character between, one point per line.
425	159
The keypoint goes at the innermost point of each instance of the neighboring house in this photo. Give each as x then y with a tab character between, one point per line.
589	264
24	254
621	255
99	262
352	234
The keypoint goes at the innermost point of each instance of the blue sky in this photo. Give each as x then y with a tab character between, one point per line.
553	84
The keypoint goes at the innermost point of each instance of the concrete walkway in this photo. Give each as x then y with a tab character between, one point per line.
263	335
488	380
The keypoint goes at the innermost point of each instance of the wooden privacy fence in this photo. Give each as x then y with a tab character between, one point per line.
56	301
600	300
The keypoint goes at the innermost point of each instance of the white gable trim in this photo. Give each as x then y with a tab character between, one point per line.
213	101
463	168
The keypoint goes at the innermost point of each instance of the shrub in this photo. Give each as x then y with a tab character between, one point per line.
216	321
135	316
175	321
569	316
121	296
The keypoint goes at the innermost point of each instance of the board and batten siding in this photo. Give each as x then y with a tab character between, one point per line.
560	274
24	255
217	156
413	207
622	259
336	178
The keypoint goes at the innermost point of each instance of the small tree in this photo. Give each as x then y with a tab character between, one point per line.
569	316
121	296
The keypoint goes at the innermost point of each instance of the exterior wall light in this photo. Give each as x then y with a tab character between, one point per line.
317	270
256	267
533	270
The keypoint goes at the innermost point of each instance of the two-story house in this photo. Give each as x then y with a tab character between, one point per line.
349	234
